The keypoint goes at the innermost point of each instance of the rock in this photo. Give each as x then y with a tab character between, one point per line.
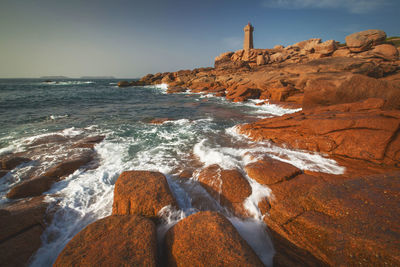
207	239
228	187
260	60
279	47
123	84
160	120
12	162
333	89
21	225
113	241
38	185
308	45
339	220
278	57
66	168
385	51
33	187
222	59
243	93
341	52
325	48
270	171
175	89
89	142
360	131
362	41
141	192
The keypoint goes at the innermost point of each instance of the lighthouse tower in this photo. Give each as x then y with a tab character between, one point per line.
248	38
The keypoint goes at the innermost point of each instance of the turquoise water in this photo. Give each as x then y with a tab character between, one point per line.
201	133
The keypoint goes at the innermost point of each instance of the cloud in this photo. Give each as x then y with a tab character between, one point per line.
352	6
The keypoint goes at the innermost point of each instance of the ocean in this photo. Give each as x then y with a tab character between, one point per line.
201	132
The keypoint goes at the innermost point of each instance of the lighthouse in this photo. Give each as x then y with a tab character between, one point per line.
248	37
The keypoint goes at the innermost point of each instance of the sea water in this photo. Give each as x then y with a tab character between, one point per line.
201	132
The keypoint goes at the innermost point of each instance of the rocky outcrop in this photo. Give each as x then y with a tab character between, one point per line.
325	90
362	131
126	240
207	239
38	185
142	193
228	187
21	225
269	171
339	220
362	41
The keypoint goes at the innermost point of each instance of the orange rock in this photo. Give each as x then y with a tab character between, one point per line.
362	131
21	225
207	239
33	187
347	88
386	51
68	167
159	120
12	162
326	48
362	41
229	187
339	220
126	240
89	142
141	192
270	171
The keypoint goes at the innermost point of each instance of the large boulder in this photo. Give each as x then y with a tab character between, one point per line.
308	45
339	220
141	192
123	84
229	187
360	131
21	225
270	171
207	239
325	48
362	41
113	241
386	51
331	89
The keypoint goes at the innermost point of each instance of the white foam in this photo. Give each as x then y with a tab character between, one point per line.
66	82
81	198
55	117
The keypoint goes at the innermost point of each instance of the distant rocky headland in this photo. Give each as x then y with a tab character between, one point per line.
349	95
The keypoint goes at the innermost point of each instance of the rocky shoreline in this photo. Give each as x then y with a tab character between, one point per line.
350	100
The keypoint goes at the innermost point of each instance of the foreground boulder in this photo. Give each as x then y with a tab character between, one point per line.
141	192
113	241
228	187
359	131
12	162
207	239
362	41
21	225
340	220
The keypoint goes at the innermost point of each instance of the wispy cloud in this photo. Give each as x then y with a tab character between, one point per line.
352	6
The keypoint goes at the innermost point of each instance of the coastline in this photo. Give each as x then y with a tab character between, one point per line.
315	218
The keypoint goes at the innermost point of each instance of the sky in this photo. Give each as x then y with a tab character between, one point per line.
128	39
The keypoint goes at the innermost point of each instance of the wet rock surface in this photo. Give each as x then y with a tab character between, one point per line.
207	239
21	225
141	192
123	240
228	187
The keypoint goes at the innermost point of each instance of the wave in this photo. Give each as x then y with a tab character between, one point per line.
67	82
